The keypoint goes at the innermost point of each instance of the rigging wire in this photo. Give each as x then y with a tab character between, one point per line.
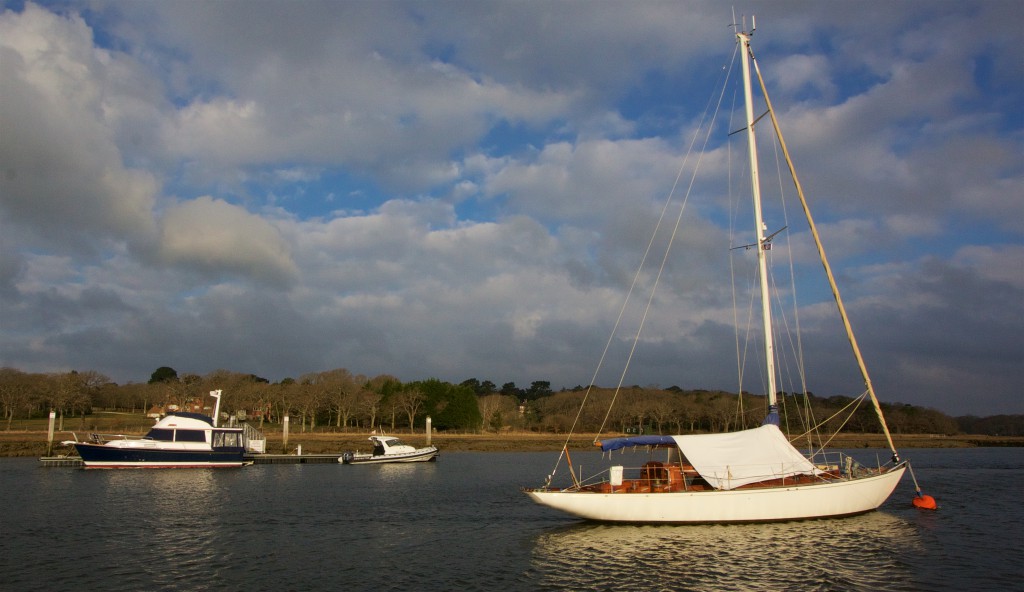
668	247
636	278
853	406
732	268
828	269
807	416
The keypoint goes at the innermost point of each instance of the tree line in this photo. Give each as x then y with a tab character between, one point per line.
339	400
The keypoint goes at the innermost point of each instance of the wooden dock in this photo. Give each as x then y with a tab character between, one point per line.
292	459
256	459
60	461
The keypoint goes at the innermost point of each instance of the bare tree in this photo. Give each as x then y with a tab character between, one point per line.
410	401
686	413
286	399
494	407
308	401
15	392
721	411
370	405
660	409
66	395
342	391
634	408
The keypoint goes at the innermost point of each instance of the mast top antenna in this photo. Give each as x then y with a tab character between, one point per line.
742	29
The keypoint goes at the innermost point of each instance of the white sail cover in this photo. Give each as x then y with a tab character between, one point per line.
734	459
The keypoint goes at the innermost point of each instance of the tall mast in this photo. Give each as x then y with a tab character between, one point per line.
759	227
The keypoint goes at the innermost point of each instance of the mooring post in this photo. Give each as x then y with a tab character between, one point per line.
49	436
284	437
428	430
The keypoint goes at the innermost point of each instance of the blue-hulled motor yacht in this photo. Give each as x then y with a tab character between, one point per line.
178	440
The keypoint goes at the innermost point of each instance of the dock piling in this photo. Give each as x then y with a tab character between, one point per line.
49	434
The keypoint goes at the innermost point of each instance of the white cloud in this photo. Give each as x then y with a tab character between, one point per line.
585	180
997	263
799	72
63	173
216	237
460	190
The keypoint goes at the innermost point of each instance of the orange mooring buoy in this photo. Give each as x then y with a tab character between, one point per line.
925	502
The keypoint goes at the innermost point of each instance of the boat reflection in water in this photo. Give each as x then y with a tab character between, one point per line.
857	553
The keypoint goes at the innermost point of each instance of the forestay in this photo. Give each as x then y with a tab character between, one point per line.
734	459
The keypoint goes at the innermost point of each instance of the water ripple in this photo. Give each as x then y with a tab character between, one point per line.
852	554
462	523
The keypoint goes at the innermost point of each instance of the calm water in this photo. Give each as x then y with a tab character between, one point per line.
462	524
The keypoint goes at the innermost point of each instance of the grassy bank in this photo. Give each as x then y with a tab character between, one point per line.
30	438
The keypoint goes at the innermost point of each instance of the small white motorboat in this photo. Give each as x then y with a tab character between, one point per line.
389	449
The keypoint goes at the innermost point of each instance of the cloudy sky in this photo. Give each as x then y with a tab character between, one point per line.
465	189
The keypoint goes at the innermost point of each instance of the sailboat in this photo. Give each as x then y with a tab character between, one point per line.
751	475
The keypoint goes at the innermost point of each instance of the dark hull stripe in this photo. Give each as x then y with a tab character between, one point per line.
107	456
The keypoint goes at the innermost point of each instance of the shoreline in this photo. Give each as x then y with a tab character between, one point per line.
33	443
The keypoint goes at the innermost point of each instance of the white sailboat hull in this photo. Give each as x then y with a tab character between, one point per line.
824	500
